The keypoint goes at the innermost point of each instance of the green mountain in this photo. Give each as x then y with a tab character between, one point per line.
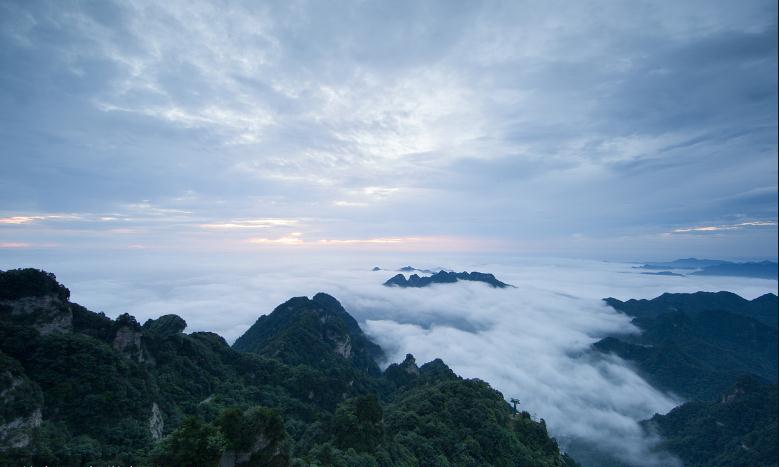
316	332
299	388
763	308
698	345
739	429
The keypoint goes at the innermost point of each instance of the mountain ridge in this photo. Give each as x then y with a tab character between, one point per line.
697	345
710	267
104	391
444	277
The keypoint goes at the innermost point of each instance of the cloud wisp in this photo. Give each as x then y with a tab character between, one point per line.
719	228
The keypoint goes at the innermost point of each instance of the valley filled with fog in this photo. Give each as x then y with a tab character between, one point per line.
530	342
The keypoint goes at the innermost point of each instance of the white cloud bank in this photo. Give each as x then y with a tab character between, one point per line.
530	342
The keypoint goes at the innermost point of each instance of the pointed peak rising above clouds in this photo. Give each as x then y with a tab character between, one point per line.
316	332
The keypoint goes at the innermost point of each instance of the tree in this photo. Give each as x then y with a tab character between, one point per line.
195	443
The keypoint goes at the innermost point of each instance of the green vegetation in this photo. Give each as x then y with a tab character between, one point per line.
698	345
316	332
737	430
301	387
21	283
194	443
763	308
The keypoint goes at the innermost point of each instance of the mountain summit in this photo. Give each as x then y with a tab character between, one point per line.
316	332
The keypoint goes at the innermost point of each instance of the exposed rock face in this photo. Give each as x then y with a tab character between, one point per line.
47	314
17	433
344	347
409	365
156	424
34	298
128	342
128	338
20	405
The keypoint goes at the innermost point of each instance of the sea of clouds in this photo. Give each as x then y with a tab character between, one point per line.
530	342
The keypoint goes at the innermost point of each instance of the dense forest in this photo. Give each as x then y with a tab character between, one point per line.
719	352
301	387
739	429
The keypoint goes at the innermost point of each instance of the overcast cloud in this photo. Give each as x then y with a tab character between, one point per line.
567	128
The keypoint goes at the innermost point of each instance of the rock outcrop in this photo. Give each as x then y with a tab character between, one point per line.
156	423
47	314
20	405
34	298
128	339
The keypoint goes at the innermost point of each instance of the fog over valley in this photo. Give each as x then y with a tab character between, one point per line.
531	342
389	233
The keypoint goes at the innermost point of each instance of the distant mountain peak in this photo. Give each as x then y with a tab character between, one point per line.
715	267
763	308
444	277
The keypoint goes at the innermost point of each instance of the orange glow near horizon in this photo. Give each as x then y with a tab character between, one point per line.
17	220
395	243
14	245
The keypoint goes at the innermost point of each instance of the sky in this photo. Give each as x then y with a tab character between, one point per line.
610	130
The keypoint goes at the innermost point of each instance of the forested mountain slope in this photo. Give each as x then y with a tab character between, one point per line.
701	346
698	345
301	387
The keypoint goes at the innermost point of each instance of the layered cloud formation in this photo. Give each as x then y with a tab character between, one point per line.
592	128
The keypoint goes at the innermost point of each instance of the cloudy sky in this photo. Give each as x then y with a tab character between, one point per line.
601	129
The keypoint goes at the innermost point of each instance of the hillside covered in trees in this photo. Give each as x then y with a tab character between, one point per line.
698	345
301	387
719	352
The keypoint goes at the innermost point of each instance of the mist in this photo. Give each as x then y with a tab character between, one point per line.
530	342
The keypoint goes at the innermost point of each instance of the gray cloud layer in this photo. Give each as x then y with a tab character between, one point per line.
520	126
